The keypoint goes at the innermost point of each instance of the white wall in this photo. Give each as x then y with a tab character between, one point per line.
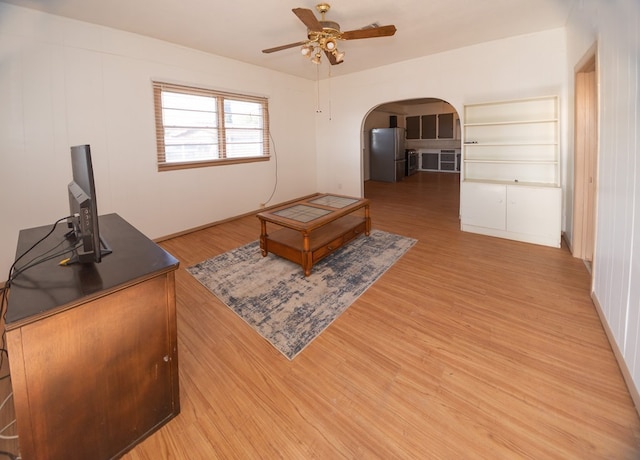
517	67
616	276
64	82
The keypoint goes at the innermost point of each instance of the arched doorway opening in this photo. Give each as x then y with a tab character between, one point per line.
431	128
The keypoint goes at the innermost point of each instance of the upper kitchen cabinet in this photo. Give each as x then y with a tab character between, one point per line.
511	169
432	119
431	126
413	127
445	126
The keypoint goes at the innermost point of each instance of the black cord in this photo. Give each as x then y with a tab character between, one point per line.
275	157
5	289
44	257
32	247
12	275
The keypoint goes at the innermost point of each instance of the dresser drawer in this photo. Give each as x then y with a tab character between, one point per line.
327	248
351	234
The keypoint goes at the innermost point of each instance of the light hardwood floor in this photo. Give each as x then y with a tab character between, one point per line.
468	347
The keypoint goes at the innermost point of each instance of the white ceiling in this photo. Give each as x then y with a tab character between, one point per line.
240	29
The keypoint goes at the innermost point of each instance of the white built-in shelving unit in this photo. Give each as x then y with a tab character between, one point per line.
511	170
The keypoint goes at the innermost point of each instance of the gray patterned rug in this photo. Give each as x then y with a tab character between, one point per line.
288	309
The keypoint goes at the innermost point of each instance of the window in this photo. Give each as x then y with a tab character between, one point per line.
198	127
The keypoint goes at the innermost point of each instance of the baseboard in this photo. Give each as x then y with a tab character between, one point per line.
544	240
633	391
563	237
213	224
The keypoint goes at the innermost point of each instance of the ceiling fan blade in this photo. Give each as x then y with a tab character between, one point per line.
332	58
308	18
382	31
284	47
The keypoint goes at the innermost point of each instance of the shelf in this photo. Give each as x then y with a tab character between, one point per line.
514	122
503	144
544	162
545	173
531	110
511	141
519	183
512	152
513	134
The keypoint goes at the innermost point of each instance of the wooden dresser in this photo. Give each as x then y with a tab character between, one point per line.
93	348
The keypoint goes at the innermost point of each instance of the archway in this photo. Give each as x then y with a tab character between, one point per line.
431	128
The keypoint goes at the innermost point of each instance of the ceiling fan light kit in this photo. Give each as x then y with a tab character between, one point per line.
323	35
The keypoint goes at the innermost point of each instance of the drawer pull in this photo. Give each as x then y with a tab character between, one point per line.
330	248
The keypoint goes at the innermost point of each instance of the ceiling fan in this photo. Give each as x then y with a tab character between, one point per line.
323	35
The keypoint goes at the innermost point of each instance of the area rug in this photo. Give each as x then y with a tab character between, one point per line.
288	309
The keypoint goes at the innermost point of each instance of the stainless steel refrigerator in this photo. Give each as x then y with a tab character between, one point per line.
387	162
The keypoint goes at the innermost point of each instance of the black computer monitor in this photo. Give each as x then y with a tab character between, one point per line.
83	209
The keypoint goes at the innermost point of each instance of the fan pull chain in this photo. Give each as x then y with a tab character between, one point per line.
329	91
318	89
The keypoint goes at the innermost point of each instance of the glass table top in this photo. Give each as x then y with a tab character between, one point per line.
334	201
302	213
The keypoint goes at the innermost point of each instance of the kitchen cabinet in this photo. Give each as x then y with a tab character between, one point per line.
448	160
442	160
430	160
413	127
511	149
445	126
431	126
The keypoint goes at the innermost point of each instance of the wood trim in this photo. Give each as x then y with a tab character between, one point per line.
585	156
624	370
229	219
204	164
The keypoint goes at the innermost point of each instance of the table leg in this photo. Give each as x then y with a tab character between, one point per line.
263	238
307	261
367	221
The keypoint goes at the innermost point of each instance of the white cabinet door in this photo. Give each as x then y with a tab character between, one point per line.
534	211
484	205
517	212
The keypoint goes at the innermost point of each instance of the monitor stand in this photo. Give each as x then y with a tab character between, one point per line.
105	250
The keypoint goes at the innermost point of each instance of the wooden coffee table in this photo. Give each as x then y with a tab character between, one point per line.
311	229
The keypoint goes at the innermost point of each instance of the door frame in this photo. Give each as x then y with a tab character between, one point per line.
585	155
